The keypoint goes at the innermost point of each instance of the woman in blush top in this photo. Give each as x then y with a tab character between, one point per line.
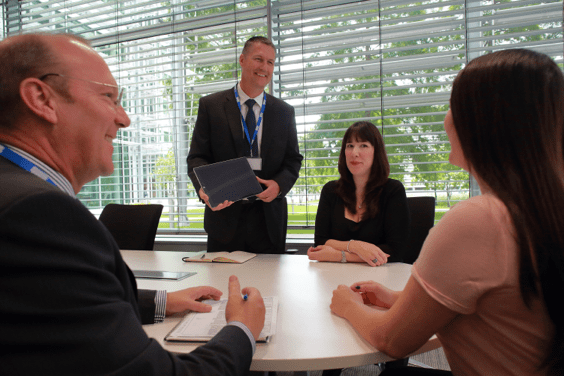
363	216
489	281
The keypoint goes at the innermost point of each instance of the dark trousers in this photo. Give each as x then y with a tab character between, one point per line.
251	234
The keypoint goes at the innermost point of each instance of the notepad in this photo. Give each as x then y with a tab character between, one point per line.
231	180
203	326
235	257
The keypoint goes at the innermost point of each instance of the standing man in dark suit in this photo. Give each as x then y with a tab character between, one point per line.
69	303
225	129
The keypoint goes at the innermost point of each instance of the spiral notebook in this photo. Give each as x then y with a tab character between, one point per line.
231	180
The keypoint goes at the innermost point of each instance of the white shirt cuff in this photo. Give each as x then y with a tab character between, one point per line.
160	306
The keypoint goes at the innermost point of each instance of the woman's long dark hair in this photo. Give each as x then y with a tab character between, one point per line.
346	189
508	112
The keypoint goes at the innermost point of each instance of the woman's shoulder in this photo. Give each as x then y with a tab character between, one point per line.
393	187
330	186
484	214
329	192
393	184
485	204
329	189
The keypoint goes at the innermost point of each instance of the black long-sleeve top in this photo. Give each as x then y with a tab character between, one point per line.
389	230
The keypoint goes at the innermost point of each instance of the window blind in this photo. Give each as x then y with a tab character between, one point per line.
390	62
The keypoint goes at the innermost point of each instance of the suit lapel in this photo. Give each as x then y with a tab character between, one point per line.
233	116
268	131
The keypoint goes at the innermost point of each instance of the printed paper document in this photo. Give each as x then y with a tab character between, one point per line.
202	326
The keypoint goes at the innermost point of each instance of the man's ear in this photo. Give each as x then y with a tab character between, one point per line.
39	99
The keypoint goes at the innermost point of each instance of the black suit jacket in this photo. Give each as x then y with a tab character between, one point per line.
68	300
218	136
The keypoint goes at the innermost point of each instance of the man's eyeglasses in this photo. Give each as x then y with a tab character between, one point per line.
120	90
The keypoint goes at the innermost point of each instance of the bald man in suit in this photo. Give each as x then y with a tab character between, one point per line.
70	305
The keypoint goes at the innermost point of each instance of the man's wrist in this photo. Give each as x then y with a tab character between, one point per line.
247	331
160	306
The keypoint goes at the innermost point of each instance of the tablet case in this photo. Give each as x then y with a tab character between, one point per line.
230	180
153	274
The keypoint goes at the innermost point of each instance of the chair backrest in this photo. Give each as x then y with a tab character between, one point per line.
422	213
132	226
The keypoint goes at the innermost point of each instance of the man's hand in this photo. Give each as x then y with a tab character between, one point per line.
271	192
206	199
250	312
189	299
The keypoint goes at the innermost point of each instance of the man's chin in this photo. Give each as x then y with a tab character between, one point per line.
107	171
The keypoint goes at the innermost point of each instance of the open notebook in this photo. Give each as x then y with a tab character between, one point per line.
235	257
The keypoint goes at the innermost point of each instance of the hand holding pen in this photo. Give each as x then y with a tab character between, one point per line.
376	294
249	311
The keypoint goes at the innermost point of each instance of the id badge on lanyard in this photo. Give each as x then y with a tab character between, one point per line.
254	162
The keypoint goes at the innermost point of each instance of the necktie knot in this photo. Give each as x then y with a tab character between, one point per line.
250	103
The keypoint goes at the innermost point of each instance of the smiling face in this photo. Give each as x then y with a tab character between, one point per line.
257	65
359	156
88	124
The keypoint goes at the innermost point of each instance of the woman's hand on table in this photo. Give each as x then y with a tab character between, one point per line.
369	253
343	299
375	293
324	253
190	299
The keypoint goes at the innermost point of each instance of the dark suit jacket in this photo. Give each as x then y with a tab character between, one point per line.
218	136
68	300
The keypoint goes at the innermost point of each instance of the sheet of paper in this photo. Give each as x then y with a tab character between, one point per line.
202	326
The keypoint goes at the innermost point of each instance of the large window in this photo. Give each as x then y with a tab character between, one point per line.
390	62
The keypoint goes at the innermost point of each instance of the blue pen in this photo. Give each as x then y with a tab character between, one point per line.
245	297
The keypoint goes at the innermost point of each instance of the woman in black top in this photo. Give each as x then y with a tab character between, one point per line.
363	216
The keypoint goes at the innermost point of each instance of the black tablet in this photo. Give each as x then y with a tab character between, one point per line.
231	180
154	274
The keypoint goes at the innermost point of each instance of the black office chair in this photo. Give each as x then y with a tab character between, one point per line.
132	226
422	213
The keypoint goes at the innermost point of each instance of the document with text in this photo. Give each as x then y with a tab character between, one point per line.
202	326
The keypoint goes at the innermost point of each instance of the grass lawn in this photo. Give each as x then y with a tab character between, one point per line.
298	215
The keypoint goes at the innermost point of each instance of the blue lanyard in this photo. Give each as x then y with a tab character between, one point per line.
24	163
251	141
